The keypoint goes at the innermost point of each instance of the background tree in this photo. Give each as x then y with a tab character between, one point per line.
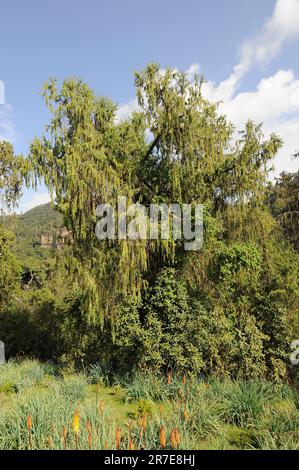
12	170
284	204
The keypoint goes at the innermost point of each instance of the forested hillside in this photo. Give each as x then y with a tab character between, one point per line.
29	228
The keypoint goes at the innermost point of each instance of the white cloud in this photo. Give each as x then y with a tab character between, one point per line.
275	96
7	131
288	130
124	111
281	27
36	200
275	101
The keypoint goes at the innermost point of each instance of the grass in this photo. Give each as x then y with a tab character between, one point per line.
41	408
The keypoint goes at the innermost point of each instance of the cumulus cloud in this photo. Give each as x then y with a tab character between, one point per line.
6	127
7	131
125	110
36	200
280	28
275	101
288	130
275	96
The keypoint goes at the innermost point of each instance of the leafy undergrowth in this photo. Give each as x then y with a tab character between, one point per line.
41	408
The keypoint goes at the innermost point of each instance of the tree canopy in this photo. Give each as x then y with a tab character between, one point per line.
229	308
176	148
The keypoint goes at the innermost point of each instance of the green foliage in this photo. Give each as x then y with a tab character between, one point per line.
8	265
283	200
228	310
242	403
243	438
42	220
203	337
170	334
144	408
73	388
197	410
8	387
99	374
17	376
239	266
12	171
88	158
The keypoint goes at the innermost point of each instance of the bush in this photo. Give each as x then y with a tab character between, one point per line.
170	336
243	402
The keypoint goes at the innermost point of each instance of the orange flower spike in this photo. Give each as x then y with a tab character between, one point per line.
169	378
76	423
76	427
29	422
50	442
173	439
184	380
117	438
88	426
131	444
177	437
106	445
144	421
29	425
90	440
162	437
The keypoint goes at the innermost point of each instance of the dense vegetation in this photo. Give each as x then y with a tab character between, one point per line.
228	311
29	227
44	408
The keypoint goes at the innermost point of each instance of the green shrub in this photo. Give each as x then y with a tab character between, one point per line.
9	387
243	438
170	338
243	402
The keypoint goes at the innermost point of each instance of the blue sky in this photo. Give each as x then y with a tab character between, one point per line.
247	50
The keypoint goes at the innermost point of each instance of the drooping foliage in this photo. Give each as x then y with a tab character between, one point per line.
284	204
175	149
228	309
12	171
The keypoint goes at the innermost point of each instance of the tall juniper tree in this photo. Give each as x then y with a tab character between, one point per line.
175	148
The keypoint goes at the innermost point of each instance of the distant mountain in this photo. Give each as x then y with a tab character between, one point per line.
32	227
